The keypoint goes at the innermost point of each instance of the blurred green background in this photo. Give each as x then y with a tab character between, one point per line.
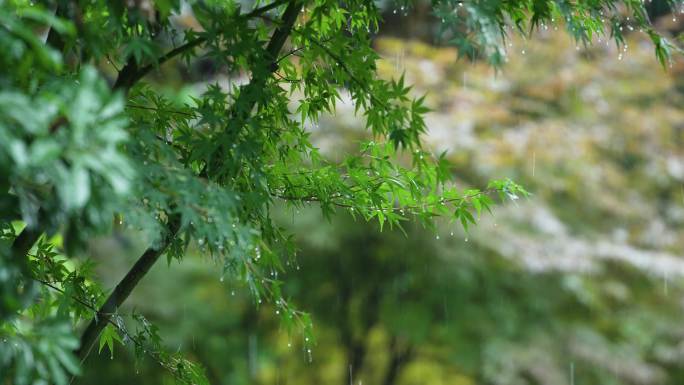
579	284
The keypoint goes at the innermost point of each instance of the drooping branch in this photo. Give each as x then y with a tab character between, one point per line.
151	255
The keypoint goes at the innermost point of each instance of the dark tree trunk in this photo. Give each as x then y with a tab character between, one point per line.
399	357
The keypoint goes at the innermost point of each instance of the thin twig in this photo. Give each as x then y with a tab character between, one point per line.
122	330
410	208
348	71
130	105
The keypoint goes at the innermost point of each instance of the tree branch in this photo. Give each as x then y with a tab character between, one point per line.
131	73
139	344
150	256
243	106
124	289
23	243
347	70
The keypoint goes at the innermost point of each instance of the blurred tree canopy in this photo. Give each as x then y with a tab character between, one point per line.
90	145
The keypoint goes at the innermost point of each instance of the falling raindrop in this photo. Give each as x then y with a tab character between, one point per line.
466	239
572	373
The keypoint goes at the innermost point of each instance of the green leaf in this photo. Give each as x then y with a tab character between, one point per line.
107	337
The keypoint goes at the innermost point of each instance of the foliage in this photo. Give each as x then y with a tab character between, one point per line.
532	295
79	158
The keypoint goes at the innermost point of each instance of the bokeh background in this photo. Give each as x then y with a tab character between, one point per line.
581	283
